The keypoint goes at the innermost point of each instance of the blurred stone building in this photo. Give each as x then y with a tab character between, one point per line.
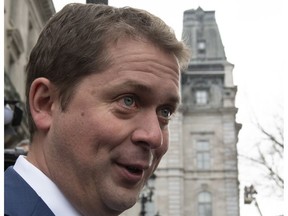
23	21
199	174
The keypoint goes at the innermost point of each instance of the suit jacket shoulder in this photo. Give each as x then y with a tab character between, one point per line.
20	199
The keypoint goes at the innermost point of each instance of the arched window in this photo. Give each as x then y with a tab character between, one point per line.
204	204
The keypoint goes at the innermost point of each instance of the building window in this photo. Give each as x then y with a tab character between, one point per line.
201	97
204	204
203	154
201	46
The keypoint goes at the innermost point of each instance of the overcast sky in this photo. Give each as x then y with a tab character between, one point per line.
253	35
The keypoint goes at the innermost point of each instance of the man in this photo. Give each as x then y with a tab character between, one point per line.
102	85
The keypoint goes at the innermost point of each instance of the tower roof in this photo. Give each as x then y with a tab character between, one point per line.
201	33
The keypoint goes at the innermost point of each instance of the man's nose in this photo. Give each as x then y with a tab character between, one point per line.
148	131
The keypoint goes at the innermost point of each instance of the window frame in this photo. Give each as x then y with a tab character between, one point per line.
203	155
204	202
201	97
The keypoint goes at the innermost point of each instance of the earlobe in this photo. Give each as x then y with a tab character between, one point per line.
41	100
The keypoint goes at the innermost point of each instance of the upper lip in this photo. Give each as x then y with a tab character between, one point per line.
135	160
137	165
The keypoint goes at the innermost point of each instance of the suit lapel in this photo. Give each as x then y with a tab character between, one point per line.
20	198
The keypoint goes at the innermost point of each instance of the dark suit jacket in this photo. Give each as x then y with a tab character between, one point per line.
20	199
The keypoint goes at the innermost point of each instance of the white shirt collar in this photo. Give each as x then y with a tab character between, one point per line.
45	188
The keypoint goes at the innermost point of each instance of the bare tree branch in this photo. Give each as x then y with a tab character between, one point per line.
272	137
273	174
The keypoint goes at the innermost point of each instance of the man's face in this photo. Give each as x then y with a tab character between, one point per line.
110	139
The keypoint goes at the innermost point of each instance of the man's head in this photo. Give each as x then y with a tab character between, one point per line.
101	97
75	43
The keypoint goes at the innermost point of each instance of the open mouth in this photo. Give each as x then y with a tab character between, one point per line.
131	173
134	170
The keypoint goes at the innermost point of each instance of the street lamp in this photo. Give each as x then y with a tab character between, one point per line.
147	194
249	197
12	113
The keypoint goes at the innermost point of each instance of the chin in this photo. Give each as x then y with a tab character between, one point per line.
121	203
127	203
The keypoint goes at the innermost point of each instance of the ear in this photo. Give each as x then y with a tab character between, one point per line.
42	98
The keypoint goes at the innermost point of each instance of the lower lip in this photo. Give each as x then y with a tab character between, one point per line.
131	178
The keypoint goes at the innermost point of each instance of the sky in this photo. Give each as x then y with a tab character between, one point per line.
253	35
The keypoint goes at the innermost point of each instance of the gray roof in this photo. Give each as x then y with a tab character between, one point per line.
201	34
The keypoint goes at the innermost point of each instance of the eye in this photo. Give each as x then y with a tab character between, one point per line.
128	101
126	105
165	112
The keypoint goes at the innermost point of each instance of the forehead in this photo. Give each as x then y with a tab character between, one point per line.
142	55
142	67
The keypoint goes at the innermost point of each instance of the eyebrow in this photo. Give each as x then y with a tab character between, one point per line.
135	85
131	84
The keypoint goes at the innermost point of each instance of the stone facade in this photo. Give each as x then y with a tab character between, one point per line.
23	21
199	174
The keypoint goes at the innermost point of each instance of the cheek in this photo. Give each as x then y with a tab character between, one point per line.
161	151
165	144
73	131
88	132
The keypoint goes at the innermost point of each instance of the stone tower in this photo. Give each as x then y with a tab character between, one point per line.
199	175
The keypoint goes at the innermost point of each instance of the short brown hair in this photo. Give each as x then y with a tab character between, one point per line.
74	43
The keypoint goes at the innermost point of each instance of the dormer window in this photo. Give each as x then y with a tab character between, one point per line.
201	46
201	97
